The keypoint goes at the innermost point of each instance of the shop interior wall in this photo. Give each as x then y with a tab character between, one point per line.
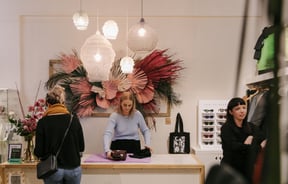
204	34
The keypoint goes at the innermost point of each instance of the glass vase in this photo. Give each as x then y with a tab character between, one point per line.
29	156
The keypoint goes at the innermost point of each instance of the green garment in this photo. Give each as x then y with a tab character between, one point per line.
266	60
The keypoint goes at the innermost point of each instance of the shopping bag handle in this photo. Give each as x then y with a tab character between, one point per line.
179	123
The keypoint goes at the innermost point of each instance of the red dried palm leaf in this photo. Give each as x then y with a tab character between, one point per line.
158	66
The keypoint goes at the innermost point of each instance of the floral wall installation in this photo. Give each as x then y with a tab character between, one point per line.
152	79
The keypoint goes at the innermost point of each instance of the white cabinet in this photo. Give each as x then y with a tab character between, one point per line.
211	116
208	157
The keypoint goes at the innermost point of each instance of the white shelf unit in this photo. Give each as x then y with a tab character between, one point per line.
8	102
211	116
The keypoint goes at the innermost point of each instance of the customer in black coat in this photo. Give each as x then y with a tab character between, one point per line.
49	134
241	140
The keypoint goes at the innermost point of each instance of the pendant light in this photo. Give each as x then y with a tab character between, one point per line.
110	29
127	63
81	19
97	56
141	37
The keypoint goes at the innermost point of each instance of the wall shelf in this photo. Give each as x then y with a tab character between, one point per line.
266	77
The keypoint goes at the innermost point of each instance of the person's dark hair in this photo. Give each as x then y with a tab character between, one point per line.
233	103
219	174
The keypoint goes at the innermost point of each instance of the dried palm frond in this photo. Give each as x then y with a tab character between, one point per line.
70	62
60	78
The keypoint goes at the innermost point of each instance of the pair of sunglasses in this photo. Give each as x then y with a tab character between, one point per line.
206	129
208	122
208	116
208	110
208	142
208	135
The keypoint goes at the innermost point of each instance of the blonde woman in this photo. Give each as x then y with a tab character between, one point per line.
49	134
122	131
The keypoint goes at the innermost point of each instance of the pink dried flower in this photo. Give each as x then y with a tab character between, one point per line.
28	125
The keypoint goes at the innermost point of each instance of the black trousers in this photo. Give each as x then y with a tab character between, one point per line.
131	146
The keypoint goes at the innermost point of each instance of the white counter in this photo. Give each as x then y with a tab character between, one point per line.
171	169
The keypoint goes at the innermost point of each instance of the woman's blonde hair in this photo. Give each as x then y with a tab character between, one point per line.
127	96
56	95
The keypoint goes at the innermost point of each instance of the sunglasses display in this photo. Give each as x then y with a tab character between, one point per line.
211	117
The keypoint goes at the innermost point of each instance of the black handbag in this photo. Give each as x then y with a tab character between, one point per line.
119	155
179	141
48	166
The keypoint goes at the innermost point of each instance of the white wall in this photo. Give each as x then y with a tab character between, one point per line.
205	34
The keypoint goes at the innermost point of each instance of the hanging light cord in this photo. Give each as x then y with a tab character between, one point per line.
127	33
97	21
142	19
141	9
80	4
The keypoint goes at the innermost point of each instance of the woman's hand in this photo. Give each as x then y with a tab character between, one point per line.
249	140
108	155
150	149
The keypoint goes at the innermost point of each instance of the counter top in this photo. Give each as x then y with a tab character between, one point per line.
156	161
172	167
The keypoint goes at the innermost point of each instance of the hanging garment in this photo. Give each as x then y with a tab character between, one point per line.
258	108
264	50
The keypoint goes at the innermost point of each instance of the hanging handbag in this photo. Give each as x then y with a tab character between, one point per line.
48	166
179	141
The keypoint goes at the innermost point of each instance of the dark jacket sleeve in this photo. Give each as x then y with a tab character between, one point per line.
39	138
80	137
230	139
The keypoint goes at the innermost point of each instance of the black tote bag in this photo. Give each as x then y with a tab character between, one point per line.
179	141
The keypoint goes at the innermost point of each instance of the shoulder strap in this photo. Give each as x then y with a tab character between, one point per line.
64	135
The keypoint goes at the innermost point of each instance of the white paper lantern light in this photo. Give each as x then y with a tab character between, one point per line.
97	56
81	20
127	64
110	29
142	37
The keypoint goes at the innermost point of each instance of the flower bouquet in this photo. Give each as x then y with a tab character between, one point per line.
26	127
